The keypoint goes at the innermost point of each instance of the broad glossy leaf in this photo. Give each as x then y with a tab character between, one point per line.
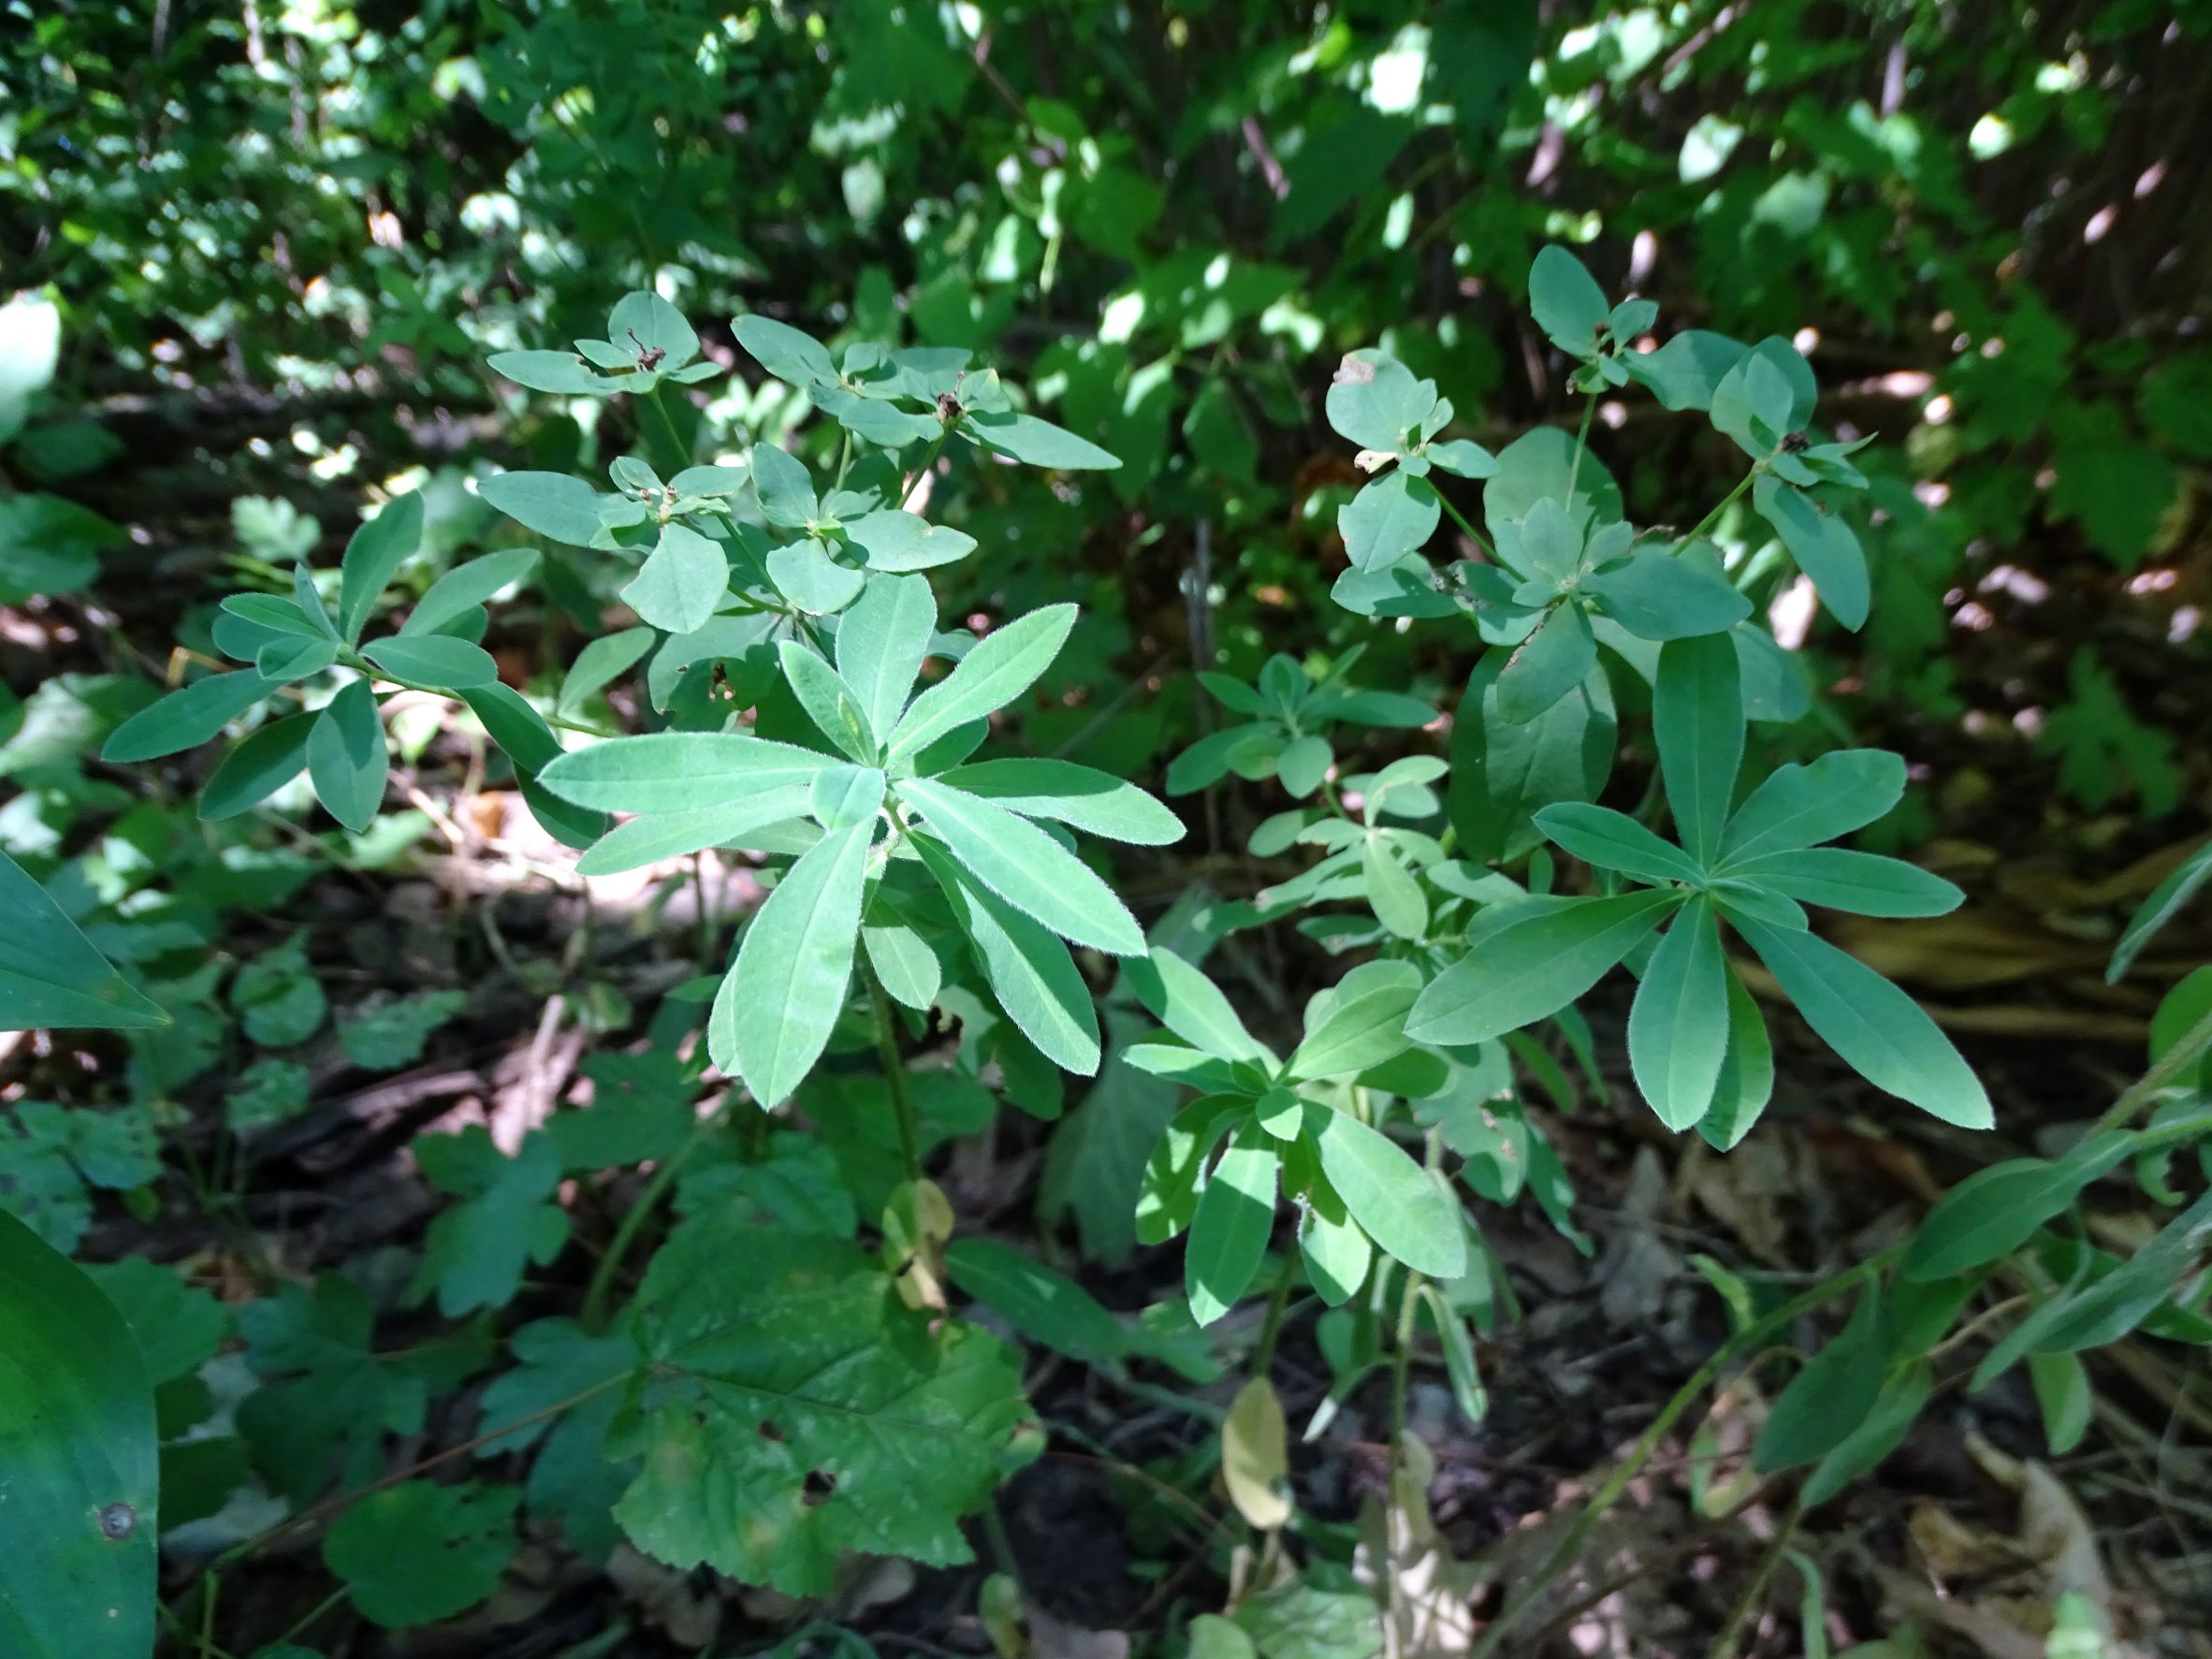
555	505
1406	1211
467	586
674	771
1391	515
1533	965
999	668
373	558
1802	805
434	660
257	765
1661	596
681	582
1039	443
1824	547
791	355
775	1008
1190	1005
881	638
1614	841
656	835
1082	797
1030	972
797	1412
187	718
831	704
1863	884
1027	867
1678	1027
1881	1033
1229	1231
345	757
1566	301
78	1446
1362	1023
1697	718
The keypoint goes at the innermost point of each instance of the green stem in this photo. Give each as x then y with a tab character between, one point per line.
929	460
1749	1339
1465	528
844	457
678	451
1263	1355
894	1070
1726	1645
308	1620
2186	1050
1727	501
1581	443
634	1222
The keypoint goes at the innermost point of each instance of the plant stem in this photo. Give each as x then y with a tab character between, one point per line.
1751	1337
307	1620
1263	1355
1726	1645
2188	1048
1727	501
1465	528
633	1221
1581	443
678	453
894	1070
907	487
844	457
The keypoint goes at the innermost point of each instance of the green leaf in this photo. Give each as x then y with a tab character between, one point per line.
644	321
345	757
1175	1170
521	733
1685	372
2165	902
1393	891
897	542
1825	548
785	488
373	558
1502	773
187	717
1363	1024
1802	805
1678	1027
256	766
388	1032
1409	1213
1229	1228
1391	516
832	704
1001	666
1993	1212
467	586
477	1251
77	1440
1863	884
1304	762
1027	867
2063	1394
842	797
1611	840
908	968
797	1412
600	661
50	976
1029	971
1747	1073
1831	1395
677	771
681	582
418	1551
1190	1005
881	638
563	375
1880	1431
1880	1032
1082	797
1566	301
791	355
283	661
1337	1255
776	1008
555	505
1036	442
1659	596
1697	718
1547	665
1044	1305
1532	965
1376	402
434	660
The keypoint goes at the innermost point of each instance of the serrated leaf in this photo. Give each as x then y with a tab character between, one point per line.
418	1551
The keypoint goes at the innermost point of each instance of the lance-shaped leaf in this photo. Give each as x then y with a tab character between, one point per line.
1404	1208
1802	806
1030	972
1881	1033
434	660
77	1440
1533	965
1362	1023
832	704
1994	1211
563	375
345	757
1747	1073
1678	1027
373	558
798	1411
558	507
256	767
1027	867
1823	544
50	976
187	717
777	1007
1698	716
1830	1395
681	581
881	638
1001	667
656	835
1082	797
1229	1228
1614	841
1036	442
1863	884
1192	1006
467	586
674	771
2167	900
1547	665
